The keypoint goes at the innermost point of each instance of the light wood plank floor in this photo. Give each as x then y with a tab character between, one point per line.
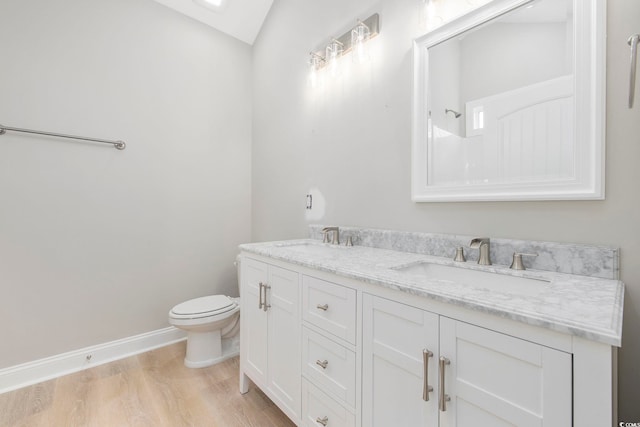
150	389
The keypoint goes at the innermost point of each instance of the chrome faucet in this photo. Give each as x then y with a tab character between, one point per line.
482	244
336	234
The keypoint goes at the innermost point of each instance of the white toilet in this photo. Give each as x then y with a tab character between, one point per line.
212	324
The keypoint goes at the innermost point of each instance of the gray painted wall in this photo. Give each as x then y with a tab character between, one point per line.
351	141
98	244
539	51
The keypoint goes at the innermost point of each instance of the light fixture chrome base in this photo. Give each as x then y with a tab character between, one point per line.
372	22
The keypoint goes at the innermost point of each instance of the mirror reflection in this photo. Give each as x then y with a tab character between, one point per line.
501	100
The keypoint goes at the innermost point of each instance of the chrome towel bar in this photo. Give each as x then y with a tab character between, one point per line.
120	145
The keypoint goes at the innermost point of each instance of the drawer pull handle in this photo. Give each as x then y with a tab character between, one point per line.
444	398
322	363
324	420
323	307
426	388
260	303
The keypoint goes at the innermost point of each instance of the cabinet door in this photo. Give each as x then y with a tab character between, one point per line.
395	337
498	380
284	376
253	323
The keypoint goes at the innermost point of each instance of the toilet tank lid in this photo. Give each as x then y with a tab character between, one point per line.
203	305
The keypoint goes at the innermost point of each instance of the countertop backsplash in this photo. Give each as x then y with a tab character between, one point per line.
569	258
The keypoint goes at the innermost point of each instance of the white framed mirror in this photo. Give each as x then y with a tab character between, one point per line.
509	104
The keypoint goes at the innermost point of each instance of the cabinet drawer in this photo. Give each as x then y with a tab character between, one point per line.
330	307
319	409
329	366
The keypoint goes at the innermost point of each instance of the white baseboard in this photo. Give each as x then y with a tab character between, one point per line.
29	373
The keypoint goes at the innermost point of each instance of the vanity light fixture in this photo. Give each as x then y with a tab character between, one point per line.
315	63
359	38
430	13
334	52
429	7
355	39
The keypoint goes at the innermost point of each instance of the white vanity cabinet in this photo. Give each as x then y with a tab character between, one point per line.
270	333
422	369
343	352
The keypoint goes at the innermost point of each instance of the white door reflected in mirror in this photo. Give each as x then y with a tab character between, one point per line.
509	104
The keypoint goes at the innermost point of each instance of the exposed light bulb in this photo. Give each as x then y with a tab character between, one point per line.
315	63
359	37
430	11
334	51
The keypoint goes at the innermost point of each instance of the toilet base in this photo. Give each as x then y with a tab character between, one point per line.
207	348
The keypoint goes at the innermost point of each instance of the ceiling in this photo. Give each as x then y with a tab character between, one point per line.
241	19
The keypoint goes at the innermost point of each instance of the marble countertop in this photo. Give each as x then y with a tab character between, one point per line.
587	307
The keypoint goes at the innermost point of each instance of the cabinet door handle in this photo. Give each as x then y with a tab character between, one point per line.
266	306
426	389
444	398
323	307
260	303
322	363
324	420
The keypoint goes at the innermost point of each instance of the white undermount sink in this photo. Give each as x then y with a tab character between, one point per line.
475	278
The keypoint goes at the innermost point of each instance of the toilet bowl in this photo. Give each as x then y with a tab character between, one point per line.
209	322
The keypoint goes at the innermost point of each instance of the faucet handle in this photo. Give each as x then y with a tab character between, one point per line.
517	263
459	257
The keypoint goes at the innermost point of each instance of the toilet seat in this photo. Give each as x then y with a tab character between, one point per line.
202	307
